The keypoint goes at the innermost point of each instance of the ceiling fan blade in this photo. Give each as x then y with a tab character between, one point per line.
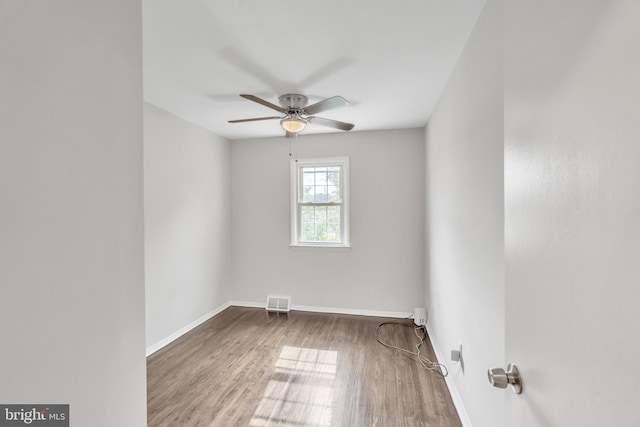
331	123
327	104
255	120
265	103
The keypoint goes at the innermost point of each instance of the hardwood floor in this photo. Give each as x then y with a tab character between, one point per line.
245	367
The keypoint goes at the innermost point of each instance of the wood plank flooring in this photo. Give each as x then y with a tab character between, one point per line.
245	367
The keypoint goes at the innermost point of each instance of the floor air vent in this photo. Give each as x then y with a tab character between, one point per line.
277	303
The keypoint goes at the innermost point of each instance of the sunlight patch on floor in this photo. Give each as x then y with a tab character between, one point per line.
300	392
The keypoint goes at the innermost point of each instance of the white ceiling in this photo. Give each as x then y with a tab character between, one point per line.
390	59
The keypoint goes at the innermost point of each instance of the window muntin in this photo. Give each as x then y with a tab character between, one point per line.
319	208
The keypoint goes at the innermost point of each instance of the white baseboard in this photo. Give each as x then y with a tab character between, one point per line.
165	341
315	309
251	304
453	390
353	311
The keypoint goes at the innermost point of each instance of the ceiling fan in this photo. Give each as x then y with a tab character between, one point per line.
297	113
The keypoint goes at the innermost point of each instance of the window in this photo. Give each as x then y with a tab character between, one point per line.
319	202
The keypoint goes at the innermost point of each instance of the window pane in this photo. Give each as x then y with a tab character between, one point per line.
321	176
321	214
320	185
308	215
307	223
334	177
333	232
333	214
307	194
308	176
334	194
333	223
320	223
321	233
321	195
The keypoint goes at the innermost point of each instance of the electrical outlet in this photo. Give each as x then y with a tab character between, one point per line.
420	316
456	353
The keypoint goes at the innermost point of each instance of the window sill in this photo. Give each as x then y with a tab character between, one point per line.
307	246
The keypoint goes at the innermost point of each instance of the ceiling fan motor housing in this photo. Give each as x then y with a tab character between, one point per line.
293	101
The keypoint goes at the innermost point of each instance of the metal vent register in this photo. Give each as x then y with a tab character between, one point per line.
278	303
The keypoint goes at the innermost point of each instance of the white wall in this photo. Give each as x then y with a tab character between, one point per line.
465	249
71	209
187	222
381	272
572	199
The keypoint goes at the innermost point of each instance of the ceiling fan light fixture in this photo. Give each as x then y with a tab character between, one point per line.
293	124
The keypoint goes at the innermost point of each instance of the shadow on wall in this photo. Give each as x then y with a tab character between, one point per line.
583	17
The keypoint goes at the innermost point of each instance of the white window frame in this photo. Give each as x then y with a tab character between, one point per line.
296	183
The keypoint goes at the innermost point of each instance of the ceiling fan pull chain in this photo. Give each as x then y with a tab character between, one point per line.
295	147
